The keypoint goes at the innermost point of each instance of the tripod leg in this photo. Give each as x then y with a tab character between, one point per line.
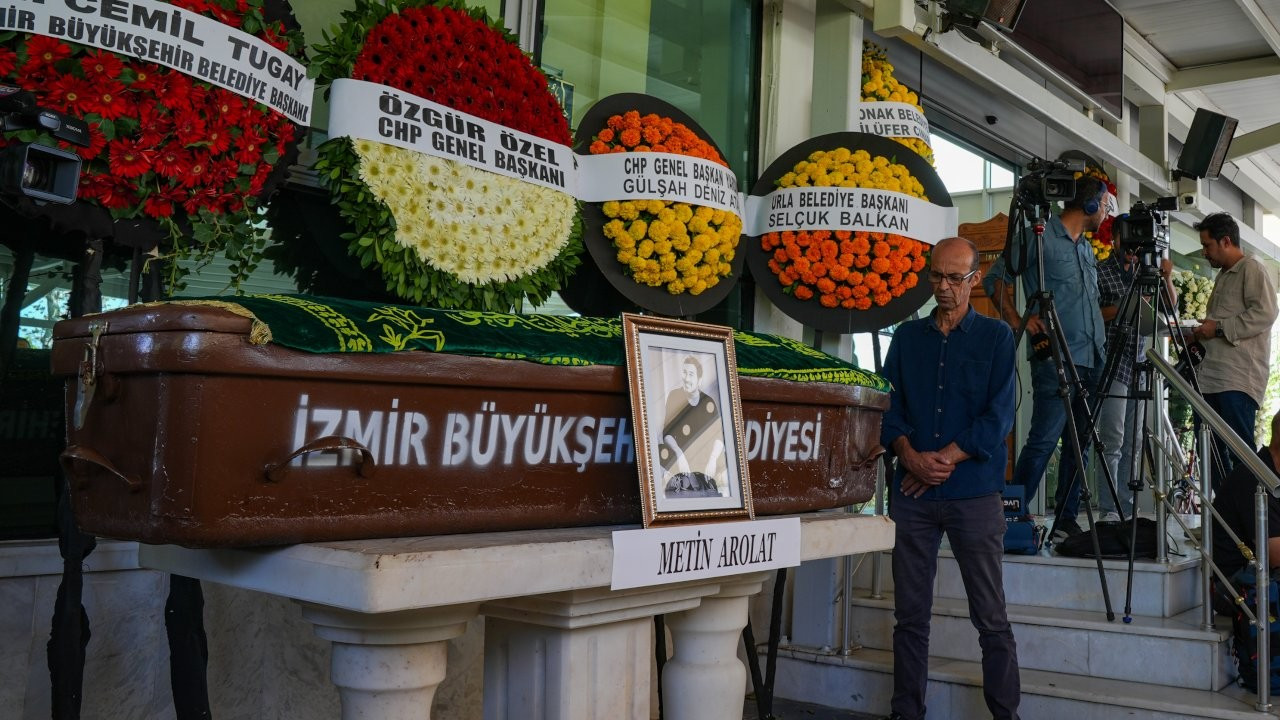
1137	466
1062	360
1111	412
1071	465
1112	409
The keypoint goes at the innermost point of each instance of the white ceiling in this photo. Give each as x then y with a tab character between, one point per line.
1226	57
1192	33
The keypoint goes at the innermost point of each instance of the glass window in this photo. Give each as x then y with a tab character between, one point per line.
980	186
960	169
697	55
694	54
1000	177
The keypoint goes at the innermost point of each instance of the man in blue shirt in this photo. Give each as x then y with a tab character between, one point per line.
950	410
1071	274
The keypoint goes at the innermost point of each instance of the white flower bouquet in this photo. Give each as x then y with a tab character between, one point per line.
1193	294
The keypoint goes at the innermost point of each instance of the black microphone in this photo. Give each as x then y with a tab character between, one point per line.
1040	347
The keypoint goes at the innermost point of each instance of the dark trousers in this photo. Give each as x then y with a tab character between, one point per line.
975	529
1048	426
1240	411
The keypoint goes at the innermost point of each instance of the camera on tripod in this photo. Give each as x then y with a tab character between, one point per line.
1145	228
1048	181
40	172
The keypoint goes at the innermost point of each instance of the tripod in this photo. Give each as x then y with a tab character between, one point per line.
1147	298
1068	380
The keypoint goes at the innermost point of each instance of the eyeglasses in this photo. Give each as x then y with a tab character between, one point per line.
954	279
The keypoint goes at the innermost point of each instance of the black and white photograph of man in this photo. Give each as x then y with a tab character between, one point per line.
692	450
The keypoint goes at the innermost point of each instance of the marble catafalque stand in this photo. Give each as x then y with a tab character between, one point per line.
559	644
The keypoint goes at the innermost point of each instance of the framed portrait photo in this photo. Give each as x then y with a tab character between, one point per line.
687	417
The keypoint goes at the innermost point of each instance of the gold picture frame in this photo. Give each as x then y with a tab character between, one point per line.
687	415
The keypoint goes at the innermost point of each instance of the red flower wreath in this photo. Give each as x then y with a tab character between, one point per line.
456	56
164	146
445	70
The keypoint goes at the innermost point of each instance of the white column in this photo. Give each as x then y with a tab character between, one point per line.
837	68
576	655
387	666
786	97
704	679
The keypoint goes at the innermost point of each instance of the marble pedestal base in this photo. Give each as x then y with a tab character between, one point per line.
577	655
559	644
388	666
704	679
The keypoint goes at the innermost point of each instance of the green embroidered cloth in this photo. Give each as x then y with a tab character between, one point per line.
324	325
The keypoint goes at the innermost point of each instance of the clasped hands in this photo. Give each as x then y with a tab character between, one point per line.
924	470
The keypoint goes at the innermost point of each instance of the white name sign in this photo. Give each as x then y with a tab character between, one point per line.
190	43
892	119
658	556
853	209
658	176
370	111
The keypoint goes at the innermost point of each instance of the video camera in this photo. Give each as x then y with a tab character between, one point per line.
1145	228
1047	181
40	172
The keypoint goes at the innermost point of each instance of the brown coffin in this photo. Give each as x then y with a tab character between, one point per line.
189	433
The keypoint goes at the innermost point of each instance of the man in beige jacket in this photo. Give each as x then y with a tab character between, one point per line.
1236	334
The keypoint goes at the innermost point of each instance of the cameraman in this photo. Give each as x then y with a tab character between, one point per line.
1236	334
1070	273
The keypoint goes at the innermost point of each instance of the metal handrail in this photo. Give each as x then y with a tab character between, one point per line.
1246	454
1265	478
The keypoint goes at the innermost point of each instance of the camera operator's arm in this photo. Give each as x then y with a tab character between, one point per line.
1004	298
999	287
1034	325
1030	287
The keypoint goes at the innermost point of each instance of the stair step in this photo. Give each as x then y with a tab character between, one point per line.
1073	641
1159	589
863	682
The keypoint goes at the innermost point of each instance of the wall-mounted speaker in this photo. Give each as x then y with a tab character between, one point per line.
971	13
1004	14
965	12
1206	145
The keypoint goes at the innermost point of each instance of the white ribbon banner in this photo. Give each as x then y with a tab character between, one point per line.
853	209
370	111
658	176
192	44
892	119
